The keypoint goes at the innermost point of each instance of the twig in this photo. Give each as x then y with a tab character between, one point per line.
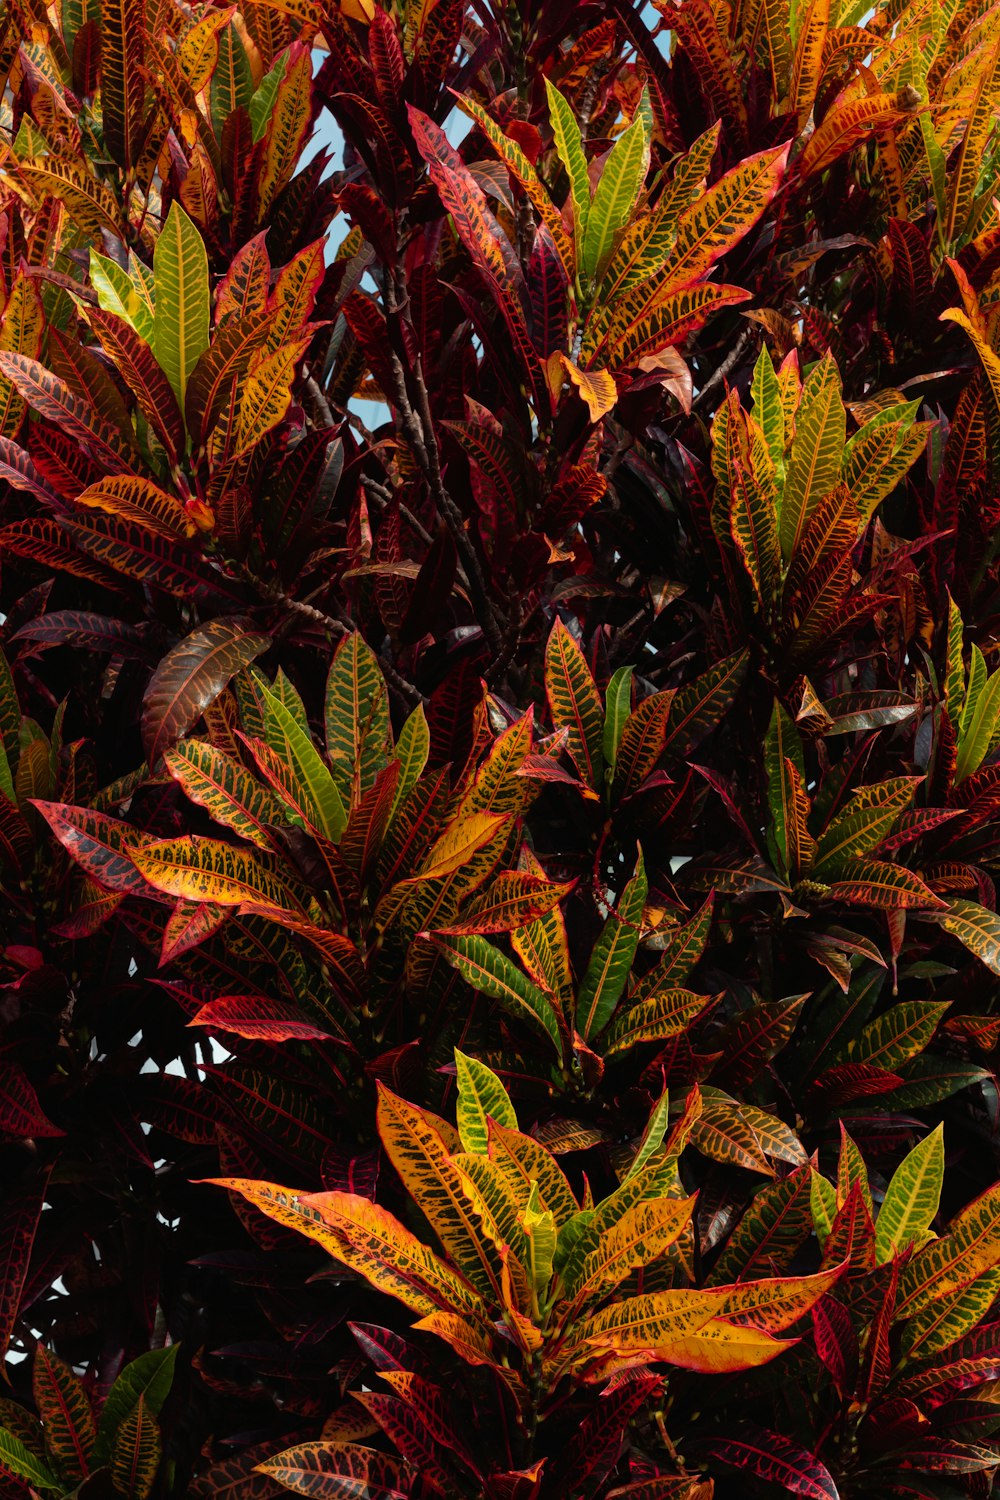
720	373
418	427
318	398
384	495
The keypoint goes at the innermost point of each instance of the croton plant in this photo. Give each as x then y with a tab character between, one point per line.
500	749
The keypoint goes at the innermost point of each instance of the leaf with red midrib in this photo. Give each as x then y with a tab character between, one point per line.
53	399
141	373
21	1115
346	1469
18	1223
137	1452
189	924
100	845
778	1461
258	1018
66	1412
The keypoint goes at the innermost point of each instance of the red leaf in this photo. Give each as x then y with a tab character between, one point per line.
21	1115
258	1018
791	1469
18	1223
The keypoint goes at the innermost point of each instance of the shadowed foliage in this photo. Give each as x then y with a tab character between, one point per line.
499	749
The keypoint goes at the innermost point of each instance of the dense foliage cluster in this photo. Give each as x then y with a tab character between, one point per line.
500	749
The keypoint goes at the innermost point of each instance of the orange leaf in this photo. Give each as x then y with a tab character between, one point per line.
596	387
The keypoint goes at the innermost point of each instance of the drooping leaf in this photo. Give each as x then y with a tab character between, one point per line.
191	676
776	1460
491	972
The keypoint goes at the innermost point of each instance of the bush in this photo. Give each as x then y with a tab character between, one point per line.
500	749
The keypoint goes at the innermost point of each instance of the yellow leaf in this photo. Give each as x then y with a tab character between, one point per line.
197	869
369	1240
459	842
141	501
21	333
721	1349
420	1147
641	1235
288	125
267	394
89	204
596	387
199	48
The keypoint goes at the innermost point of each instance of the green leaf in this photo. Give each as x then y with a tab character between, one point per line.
662	1014
231	86
569	145
287	693
614	198
816	453
262	102
970	1247
115	292
979	719
652	1136
150	1377
768	411
768	1236
698	707
955	668
643	737
481	1097
823	1203
851	1170
975	926
898	1034
863	823
492	973
611	960
358	736
949	1317
682	948
617	707
753	516
321	801
647	242
412	749
912	1198
792	846
19	1460
226	790
183	307
6	778
575	703
540	1228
